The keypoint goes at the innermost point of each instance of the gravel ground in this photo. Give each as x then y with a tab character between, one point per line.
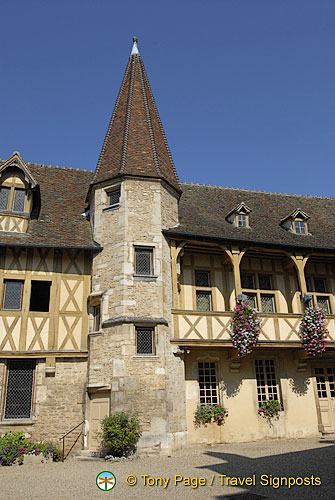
76	479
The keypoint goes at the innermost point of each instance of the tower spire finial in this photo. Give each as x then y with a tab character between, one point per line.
135	50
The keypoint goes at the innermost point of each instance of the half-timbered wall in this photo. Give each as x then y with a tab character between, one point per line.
65	326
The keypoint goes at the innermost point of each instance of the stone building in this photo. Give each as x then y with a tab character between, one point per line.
117	290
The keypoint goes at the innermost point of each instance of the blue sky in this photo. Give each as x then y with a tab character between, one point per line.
245	88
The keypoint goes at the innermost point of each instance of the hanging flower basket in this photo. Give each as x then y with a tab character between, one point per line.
313	331
245	328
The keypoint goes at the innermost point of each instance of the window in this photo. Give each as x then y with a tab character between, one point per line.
19	389
145	341
207	383
325	382
299	226
40	296
4	197
14	203
12	298
267	387
114	197
204	301
318	287
202	278
144	261
260	299
96	318
242	220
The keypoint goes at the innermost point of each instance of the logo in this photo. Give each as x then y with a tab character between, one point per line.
106	480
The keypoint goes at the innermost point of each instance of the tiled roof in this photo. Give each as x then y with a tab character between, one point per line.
203	210
135	143
59	222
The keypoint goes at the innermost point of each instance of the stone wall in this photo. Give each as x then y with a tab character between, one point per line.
58	402
152	385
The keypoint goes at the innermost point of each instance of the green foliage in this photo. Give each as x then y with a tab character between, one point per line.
270	408
205	414
13	447
120	433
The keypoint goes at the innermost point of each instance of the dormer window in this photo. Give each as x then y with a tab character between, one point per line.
16	195
239	216
299	226
242	220
296	222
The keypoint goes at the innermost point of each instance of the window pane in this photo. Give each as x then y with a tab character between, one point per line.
40	296
97	318
247	281
203	301
19	199
300	226
319	285
114	197
19	388
202	278
267	303
144	341
4	196
242	220
266	380
143	262
251	300
207	383
265	282
324	303
13	294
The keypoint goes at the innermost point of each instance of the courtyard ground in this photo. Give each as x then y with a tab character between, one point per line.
263	462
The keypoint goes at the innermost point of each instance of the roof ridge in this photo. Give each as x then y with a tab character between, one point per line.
162	128
213	186
147	112
53	166
111	121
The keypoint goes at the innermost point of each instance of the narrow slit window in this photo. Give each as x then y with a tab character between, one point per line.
12	299
40	296
96	318
19	390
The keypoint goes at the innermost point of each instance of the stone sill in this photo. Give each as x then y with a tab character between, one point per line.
111	207
145	277
22	421
151	357
96	333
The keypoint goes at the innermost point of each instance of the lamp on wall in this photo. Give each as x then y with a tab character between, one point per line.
242	297
307	297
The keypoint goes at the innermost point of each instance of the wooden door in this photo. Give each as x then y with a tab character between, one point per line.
99	409
325	387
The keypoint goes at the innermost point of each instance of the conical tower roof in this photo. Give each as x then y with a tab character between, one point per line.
135	143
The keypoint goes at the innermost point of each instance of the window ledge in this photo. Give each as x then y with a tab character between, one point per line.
21	421
146	277
152	357
111	207
95	333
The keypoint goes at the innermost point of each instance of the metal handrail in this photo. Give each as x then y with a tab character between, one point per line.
63	439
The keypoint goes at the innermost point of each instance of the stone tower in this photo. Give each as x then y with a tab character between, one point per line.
133	196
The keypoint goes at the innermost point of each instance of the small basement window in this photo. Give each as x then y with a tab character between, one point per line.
40	296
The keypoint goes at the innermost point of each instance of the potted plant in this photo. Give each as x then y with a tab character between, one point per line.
313	331
245	328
